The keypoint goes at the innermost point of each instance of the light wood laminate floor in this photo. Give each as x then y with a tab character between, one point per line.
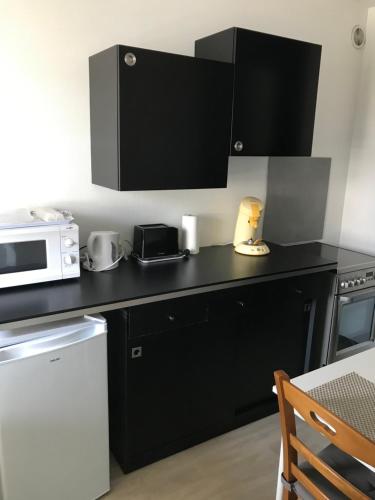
239	465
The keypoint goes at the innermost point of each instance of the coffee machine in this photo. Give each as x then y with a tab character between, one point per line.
247	223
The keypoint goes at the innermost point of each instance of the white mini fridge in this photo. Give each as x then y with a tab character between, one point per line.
54	411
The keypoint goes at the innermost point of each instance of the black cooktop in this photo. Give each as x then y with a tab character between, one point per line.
347	260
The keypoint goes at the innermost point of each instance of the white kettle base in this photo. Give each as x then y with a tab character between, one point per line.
89	266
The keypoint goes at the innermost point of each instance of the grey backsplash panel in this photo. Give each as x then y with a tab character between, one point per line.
297	191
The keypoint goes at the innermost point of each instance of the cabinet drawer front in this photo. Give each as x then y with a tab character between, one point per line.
164	316
231	303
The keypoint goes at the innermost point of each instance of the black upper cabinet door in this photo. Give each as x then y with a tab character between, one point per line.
275	90
162	122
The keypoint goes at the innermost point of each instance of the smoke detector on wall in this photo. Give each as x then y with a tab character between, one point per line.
358	37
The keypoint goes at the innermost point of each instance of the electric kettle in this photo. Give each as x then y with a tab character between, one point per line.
104	251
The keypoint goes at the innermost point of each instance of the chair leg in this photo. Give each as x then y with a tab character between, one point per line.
289	495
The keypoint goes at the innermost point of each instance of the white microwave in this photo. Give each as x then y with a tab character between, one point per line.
37	253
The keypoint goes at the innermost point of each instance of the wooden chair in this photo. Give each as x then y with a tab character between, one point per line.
333	473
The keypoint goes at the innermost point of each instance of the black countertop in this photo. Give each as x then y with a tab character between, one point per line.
217	265
347	260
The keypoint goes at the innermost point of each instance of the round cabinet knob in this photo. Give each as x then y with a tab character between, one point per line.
342	284
69	260
130	59
238	146
171	317
69	242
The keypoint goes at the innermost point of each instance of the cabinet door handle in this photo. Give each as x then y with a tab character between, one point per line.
238	146
136	352
241	303
171	317
130	59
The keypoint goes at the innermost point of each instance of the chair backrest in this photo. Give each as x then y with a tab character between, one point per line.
338	432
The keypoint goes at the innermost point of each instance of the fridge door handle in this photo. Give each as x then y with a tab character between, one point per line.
47	344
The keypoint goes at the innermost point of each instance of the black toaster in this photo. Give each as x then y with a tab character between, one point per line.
155	241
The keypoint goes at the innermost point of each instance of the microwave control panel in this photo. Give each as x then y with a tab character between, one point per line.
69	244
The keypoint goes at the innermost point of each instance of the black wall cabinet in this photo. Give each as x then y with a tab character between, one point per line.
184	370
275	90
159	120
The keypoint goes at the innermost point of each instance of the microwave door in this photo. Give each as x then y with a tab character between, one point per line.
355	323
29	256
19	256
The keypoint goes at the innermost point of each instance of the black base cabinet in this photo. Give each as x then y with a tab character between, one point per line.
272	333
184	370
170	368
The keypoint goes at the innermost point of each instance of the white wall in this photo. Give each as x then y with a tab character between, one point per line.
44	113
358	228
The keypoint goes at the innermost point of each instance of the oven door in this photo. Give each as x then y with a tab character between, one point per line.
353	325
29	255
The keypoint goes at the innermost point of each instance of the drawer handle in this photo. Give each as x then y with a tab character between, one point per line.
136	352
240	303
171	317
238	146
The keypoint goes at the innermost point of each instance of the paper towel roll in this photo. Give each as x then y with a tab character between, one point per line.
190	233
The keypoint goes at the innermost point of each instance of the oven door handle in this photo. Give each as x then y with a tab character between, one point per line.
345	300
